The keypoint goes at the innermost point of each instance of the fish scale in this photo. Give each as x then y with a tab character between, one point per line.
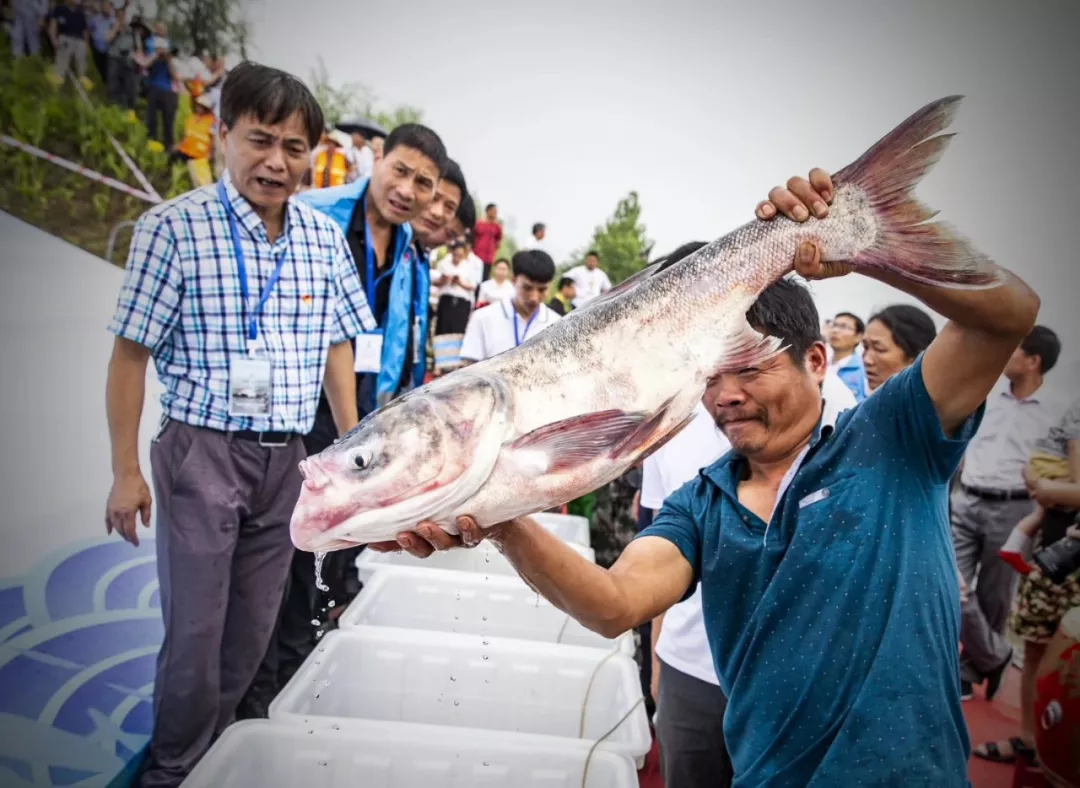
579	403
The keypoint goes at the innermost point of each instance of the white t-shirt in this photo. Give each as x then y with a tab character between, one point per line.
492	292
589	284
363	160
466	270
683	643
491	329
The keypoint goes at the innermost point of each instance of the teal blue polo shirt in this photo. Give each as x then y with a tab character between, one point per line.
835	627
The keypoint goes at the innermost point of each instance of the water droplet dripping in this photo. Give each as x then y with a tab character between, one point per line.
319	584
331	603
314	622
457	702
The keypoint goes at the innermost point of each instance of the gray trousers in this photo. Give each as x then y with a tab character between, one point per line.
690	732
223	552
980	528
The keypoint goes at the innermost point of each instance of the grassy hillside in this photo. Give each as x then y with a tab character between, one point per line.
55	119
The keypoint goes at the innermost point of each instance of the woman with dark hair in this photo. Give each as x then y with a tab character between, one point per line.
894	338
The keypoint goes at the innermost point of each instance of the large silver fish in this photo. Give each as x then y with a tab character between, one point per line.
582	401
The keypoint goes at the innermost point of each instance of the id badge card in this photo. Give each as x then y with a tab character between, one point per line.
368	352
249	385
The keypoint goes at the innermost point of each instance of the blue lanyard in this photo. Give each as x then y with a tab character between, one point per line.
517	340
371	283
253	322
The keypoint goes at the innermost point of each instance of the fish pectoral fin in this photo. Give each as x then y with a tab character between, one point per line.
572	442
747	348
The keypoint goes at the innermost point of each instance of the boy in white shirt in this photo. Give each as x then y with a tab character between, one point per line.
505	325
590	280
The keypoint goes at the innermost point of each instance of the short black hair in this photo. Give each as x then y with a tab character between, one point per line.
466	213
489	206
860	326
455	176
500	260
421	138
1044	343
272	96
912	329
566	280
534	264
593	253
538	227
786	310
685	250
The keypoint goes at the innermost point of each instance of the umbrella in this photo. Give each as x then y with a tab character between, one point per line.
365	126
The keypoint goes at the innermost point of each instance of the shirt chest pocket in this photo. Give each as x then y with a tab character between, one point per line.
303	300
835	511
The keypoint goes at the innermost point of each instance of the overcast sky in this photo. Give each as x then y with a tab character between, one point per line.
555	111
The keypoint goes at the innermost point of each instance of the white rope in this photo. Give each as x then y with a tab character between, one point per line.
584	706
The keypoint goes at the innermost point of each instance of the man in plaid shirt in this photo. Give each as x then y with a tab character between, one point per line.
247	301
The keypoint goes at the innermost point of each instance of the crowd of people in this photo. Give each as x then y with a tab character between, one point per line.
788	556
135	59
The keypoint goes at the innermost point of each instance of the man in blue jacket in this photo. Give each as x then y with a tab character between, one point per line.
375	215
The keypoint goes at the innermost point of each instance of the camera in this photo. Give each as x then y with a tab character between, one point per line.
1059	560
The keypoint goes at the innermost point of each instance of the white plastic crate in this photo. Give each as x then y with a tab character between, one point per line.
260	754
568	527
470	604
521	689
483	559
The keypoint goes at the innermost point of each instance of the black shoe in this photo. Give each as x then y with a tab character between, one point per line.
994	677
966	692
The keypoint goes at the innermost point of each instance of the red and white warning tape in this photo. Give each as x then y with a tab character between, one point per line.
88	173
116	145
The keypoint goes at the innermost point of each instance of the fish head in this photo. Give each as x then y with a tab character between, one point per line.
414	459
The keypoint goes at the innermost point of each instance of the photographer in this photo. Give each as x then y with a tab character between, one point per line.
1052	588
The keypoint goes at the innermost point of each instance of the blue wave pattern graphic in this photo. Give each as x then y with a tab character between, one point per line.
79	637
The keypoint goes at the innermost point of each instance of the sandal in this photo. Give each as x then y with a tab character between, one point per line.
991	752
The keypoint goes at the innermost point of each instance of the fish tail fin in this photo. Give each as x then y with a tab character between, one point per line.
908	245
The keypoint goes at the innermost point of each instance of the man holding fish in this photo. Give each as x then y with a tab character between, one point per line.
822	546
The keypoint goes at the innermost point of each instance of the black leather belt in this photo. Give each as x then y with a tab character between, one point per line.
267	438
997	495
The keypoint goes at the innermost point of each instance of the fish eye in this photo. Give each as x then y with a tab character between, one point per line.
360	462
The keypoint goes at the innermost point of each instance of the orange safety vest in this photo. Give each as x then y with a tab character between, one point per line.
331	169
198	136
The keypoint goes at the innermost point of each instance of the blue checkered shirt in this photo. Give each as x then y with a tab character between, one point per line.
181	298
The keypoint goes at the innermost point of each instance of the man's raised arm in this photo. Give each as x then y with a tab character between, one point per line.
967	358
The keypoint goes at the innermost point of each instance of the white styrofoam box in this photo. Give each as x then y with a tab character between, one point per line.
470	604
260	754
483	559
568	527
517	687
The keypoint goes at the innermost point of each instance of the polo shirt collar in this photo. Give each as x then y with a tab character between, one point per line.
725	472
1035	397
246	216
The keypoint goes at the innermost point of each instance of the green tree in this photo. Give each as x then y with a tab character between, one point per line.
621	242
353	99
199	26
337	103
